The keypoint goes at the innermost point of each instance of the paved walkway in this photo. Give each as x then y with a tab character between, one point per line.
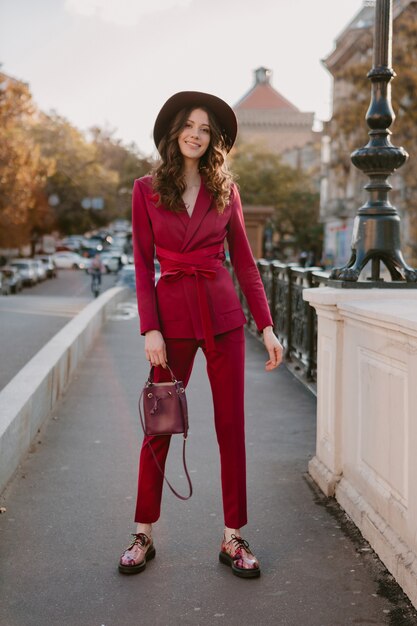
70	509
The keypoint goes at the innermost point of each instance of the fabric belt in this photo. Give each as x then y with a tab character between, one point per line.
202	264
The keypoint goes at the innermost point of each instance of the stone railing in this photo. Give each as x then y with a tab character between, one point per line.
295	320
366	417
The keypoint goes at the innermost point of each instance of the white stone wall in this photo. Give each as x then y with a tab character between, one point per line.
31	395
367	417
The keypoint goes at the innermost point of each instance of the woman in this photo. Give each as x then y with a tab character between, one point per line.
185	211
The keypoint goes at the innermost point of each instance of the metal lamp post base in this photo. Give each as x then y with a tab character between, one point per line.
376	239
376	232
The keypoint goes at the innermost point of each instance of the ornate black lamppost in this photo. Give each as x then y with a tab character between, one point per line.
376	231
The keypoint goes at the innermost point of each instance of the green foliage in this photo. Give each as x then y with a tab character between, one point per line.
77	175
265	181
126	161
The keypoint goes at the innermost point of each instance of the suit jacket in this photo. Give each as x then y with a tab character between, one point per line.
172	307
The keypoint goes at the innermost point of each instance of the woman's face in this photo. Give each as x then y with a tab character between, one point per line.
194	138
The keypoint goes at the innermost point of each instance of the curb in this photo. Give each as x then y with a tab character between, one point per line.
31	395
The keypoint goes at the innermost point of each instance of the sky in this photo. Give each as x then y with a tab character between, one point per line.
114	63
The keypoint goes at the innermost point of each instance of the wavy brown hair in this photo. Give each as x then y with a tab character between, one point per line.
168	177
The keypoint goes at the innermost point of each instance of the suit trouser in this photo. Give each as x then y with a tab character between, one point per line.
225	368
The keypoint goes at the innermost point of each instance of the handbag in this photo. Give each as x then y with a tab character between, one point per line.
165	412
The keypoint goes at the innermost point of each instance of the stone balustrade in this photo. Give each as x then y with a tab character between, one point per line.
367	417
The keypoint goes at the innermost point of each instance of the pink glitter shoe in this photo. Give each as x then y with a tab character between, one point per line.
133	559
238	556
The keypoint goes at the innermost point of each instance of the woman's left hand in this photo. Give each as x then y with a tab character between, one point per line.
274	348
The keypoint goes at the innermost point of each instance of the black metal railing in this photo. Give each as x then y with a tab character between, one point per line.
295	321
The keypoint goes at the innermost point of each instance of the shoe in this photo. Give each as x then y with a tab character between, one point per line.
134	558
237	554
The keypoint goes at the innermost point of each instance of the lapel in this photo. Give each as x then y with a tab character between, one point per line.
202	205
184	218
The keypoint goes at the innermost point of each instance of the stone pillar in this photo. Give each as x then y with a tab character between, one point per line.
255	220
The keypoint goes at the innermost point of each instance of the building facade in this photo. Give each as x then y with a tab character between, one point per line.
342	185
267	118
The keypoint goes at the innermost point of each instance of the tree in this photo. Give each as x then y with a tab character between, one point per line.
78	175
264	180
46	160
126	161
100	168
24	210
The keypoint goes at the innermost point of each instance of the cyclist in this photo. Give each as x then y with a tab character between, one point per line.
96	270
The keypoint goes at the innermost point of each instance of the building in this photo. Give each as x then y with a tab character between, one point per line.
342	185
267	118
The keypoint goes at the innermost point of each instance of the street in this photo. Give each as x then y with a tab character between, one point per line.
33	317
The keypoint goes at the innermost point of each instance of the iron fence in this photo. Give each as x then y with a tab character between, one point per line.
295	321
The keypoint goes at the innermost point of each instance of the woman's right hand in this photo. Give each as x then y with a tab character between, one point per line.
155	348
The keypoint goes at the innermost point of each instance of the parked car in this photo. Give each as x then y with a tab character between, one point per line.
126	277
49	264
93	245
12	276
69	260
110	262
113	261
27	270
73	242
40	269
121	226
120	241
4	285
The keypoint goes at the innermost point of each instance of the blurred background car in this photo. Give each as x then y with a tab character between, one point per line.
95	243
72	243
12	276
121	226
119	241
26	269
110	262
126	277
113	261
4	285
157	270
70	260
49	265
39	269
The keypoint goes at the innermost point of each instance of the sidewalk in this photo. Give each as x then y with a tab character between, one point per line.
70	510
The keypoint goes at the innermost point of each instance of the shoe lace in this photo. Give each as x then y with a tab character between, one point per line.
139	539
240	543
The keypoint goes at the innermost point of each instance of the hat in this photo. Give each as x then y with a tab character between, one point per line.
186	99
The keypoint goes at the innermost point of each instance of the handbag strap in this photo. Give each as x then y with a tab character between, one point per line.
157	462
151	371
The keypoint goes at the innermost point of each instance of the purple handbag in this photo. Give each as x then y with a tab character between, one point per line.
165	413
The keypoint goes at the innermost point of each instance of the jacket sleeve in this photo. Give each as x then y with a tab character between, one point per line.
143	252
244	265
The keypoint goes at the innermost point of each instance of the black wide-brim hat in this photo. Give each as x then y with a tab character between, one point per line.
186	99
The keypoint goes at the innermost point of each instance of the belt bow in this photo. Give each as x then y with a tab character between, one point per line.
199	263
